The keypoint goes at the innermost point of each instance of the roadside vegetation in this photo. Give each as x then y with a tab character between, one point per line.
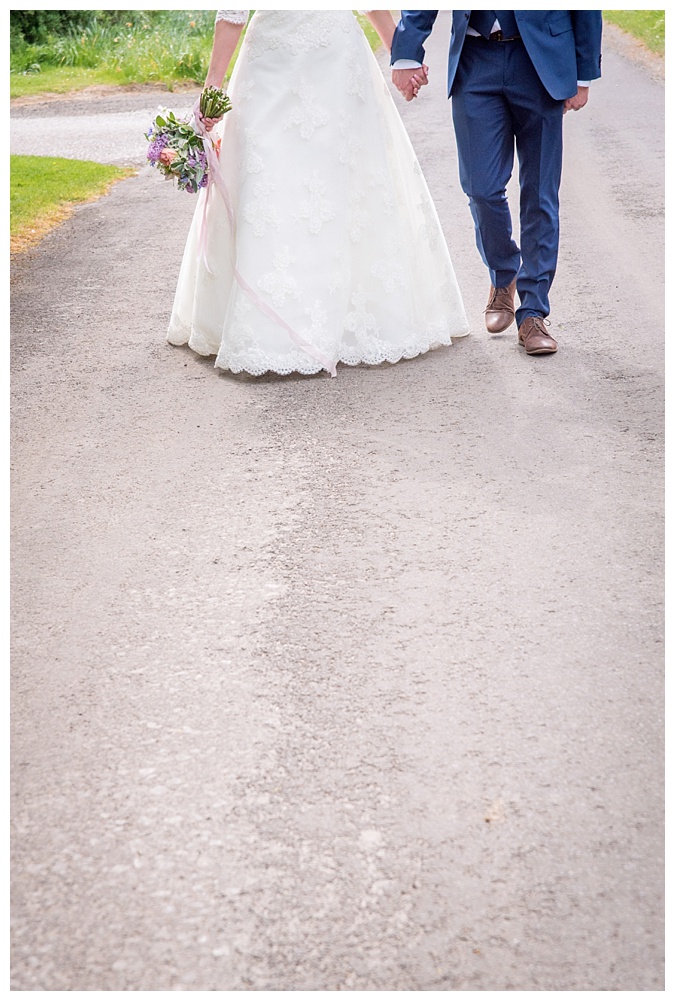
167	47
44	190
648	26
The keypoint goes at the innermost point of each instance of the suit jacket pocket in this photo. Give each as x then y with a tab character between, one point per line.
559	21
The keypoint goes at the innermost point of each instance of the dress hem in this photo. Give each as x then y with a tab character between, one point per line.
313	368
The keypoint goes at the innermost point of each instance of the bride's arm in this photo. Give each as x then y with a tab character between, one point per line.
229	26
225	38
384	25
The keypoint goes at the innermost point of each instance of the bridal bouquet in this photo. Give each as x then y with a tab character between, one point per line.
177	149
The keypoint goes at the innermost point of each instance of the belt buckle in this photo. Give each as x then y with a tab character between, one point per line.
499	36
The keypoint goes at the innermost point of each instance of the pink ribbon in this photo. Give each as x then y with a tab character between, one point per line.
215	176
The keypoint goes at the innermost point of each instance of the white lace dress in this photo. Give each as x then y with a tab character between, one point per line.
335	235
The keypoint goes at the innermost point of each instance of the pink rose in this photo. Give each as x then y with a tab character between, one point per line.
167	156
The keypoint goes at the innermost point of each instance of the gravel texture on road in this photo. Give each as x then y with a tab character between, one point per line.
349	684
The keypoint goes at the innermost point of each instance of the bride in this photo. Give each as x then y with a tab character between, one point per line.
323	244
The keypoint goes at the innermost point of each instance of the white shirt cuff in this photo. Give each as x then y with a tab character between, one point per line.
583	83
406	64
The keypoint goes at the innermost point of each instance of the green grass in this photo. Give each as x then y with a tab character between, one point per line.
60	80
649	26
163	47
369	32
44	189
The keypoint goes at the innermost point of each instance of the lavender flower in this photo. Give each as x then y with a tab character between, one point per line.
156	146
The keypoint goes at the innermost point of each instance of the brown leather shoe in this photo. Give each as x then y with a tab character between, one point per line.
534	337
500	311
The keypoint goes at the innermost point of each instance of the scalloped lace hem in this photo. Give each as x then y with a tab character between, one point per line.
179	335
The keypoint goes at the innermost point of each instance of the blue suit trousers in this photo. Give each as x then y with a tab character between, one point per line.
498	104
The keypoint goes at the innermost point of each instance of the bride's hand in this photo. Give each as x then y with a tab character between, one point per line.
577	102
408	82
207	123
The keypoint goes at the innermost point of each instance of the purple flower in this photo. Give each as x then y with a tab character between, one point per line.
156	146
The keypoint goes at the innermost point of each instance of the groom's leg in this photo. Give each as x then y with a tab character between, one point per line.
484	131
538	128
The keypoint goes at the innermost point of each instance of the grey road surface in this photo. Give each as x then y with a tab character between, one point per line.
102	126
349	684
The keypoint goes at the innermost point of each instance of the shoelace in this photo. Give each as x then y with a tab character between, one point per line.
493	300
540	324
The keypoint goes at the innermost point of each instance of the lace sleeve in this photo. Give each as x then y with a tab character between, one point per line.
233	16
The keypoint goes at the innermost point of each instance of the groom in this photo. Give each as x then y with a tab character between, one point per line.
512	75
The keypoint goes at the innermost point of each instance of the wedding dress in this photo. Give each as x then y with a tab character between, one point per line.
335	252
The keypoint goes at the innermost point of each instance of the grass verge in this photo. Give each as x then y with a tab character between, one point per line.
60	80
45	189
166	48
369	32
69	79
648	26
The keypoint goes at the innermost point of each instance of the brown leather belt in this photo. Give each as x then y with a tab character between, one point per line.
496	36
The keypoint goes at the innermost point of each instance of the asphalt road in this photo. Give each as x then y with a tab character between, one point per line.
349	684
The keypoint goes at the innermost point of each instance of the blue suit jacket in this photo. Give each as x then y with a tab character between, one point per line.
564	45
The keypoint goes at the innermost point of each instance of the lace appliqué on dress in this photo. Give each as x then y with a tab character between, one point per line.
429	226
309	116
279	284
317	209
269	30
360	321
251	161
389	273
259	211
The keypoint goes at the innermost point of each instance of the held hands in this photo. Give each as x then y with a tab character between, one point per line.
577	102
410	81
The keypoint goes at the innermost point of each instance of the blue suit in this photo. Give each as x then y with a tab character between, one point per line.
505	93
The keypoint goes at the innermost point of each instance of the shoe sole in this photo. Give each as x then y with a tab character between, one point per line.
539	351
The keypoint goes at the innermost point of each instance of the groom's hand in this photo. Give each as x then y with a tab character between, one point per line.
577	102
408	82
